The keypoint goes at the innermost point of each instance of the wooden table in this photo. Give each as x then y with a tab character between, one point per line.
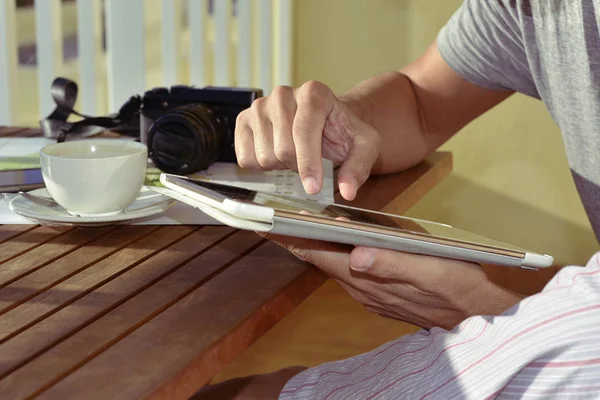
151	311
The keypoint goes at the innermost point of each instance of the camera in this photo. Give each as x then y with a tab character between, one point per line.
186	129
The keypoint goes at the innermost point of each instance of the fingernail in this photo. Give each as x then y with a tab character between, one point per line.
363	261
348	188
348	191
310	185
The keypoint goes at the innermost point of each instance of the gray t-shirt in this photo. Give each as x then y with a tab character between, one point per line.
547	49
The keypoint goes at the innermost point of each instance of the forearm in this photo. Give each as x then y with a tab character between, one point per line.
418	109
388	103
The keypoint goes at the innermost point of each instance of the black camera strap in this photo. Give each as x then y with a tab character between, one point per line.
64	93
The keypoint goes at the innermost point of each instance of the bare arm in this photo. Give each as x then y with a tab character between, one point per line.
385	124
418	108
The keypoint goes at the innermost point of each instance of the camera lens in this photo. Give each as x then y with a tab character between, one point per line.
185	140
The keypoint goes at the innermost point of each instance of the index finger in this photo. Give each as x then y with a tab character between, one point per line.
314	101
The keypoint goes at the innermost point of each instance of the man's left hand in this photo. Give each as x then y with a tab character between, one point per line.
421	290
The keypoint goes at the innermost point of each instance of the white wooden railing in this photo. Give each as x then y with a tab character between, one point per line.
148	43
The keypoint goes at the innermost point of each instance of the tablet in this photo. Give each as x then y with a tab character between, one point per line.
285	215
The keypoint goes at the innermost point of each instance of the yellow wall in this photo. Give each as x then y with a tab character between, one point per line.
511	178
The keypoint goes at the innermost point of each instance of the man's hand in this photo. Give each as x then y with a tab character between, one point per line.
421	290
255	387
385	124
295	128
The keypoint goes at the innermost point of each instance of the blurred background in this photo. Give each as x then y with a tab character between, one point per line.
511	180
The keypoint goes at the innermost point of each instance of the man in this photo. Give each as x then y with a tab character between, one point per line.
500	345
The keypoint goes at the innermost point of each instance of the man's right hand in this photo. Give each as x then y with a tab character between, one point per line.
294	128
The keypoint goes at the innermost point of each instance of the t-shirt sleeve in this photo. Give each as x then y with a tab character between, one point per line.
483	43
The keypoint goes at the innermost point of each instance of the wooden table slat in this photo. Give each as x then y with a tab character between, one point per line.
30	240
10	232
89	280
55	272
85	309
44	254
193	325
65	357
18	131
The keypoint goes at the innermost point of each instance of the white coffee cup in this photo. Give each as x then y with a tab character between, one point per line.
94	177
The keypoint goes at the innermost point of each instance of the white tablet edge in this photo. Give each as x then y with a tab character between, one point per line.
235	208
237	214
264	214
307	230
188	193
535	260
215	213
248	211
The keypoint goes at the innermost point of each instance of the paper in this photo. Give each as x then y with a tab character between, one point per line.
23	153
7	217
283	182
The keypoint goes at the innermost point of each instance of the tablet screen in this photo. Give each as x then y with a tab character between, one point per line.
333	211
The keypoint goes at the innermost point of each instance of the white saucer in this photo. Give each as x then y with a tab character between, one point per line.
38	205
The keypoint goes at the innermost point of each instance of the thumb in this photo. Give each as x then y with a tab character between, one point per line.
357	167
384	264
